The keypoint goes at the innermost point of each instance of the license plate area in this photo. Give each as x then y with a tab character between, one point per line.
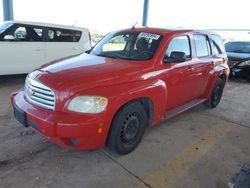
21	116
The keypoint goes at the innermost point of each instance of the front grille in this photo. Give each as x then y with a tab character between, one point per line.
39	94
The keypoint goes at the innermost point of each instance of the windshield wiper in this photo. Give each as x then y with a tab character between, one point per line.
92	51
114	56
109	56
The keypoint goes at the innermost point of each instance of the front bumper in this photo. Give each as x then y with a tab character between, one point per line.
243	72
71	130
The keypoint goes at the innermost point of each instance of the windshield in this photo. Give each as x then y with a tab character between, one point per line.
238	47
5	26
132	45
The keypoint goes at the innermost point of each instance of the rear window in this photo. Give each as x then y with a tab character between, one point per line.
63	35
218	45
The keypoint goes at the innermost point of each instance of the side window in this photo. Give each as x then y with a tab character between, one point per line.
179	44
63	35
218	46
202	45
39	32
20	34
76	35
26	33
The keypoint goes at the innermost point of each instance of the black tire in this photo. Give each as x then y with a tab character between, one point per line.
216	94
127	128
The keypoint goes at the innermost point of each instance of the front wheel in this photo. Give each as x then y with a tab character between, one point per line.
216	94
127	128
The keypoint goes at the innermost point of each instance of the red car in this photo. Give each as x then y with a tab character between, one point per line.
130	80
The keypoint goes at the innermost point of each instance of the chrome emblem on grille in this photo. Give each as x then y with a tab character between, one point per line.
32	93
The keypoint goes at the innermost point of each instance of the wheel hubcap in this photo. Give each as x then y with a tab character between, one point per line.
130	128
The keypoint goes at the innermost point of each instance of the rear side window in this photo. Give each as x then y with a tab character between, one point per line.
63	35
217	44
179	44
202	45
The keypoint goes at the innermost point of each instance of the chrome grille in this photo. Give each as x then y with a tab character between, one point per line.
39	94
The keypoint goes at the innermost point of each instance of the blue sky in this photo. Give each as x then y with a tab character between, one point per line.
108	15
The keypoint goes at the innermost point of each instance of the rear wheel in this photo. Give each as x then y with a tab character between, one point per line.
127	128
216	94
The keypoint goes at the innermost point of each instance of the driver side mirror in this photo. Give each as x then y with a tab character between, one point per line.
9	37
176	56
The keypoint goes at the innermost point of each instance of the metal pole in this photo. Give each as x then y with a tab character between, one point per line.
7	10
145	13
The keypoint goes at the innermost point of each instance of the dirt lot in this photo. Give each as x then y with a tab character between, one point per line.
201	148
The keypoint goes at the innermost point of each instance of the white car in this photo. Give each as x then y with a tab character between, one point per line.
25	46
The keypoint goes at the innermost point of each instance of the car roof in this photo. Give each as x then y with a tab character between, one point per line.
164	31
47	25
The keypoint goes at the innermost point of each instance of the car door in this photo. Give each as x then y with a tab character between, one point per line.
203	64
22	49
177	75
62	43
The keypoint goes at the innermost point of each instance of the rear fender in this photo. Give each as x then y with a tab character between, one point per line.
215	73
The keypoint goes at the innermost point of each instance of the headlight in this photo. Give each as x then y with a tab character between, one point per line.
88	104
244	63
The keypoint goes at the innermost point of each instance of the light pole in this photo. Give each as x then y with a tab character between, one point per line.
8	10
145	13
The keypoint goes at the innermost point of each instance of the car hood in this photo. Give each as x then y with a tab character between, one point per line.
86	71
240	56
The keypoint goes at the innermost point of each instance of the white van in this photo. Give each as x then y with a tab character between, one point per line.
25	46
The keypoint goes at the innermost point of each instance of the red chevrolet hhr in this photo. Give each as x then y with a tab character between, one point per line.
130	80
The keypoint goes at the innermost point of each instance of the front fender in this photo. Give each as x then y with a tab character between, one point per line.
119	95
